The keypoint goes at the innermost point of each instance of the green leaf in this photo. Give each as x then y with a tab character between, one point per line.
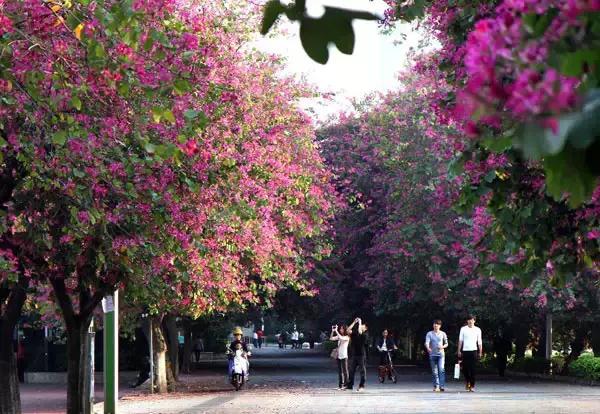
490	176
271	13
157	114
76	102
168	115
535	141
567	173
572	64
586	127
149	147
181	86
59	138
190	114
335	26
313	41
78	173
198	116
498	144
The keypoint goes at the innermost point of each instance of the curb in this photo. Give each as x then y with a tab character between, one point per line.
554	378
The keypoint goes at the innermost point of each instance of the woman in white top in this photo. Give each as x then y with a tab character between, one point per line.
340	334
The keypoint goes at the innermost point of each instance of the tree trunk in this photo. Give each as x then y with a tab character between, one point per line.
77	367
187	346
521	340
159	346
577	346
77	325
595	339
10	399
172	345
541	347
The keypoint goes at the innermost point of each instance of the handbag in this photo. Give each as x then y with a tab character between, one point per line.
334	353
456	371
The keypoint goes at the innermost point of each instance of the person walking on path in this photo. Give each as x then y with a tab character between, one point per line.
198	348
502	347
340	334
436	341
281	340
261	337
255	339
295	337
470	347
358	345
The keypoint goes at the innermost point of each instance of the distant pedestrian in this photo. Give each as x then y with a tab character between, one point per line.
340	334
198	348
261	337
295	338
358	344
21	360
436	342
470	347
503	348
282	339
255	339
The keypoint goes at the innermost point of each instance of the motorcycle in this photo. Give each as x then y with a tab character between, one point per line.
387	370
238	367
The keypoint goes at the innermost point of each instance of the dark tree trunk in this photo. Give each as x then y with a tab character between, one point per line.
11	305
595	339
172	345
541	344
74	389
187	346
577	346
77	325
521	341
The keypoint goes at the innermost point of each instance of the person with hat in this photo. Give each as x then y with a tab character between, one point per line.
238	343
237	340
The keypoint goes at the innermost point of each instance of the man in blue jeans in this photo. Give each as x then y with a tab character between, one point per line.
436	342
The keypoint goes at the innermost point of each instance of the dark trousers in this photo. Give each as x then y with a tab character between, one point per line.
342	372
20	369
360	362
383	358
469	359
501	363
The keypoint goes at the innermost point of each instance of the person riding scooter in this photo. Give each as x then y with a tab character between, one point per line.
240	358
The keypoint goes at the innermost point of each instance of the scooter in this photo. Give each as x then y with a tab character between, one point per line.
238	367
387	370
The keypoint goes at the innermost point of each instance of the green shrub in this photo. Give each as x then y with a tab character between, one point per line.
488	361
329	345
558	362
587	367
530	365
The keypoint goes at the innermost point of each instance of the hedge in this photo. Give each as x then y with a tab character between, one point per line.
587	367
530	365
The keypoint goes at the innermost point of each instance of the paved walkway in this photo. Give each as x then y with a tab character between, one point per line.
305	382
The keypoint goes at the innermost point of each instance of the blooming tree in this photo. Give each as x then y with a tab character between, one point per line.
141	149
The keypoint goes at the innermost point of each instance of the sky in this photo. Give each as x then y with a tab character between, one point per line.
372	67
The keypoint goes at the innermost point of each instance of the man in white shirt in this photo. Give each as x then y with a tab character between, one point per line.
295	338
469	348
